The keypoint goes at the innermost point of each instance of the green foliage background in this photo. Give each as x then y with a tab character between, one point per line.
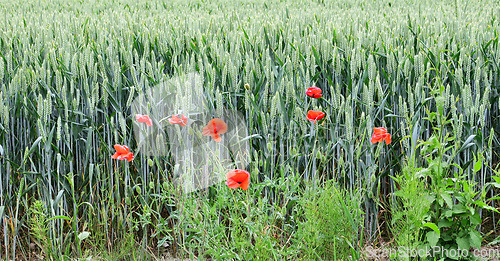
69	71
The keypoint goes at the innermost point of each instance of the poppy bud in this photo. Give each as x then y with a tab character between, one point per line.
165	185
247	86
151	185
269	146
150	162
373	178
138	189
127	201
318	155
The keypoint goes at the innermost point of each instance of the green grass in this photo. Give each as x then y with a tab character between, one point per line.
70	72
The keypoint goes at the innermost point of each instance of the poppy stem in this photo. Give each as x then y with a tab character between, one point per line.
325	100
312	133
313	172
248	205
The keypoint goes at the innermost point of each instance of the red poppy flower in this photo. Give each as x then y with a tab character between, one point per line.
122	152
380	134
315	115
144	119
314	92
183	120
214	128
238	179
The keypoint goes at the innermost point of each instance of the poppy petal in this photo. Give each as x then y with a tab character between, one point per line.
313	116
314	92
184	120
380	135
238	178
380	130
230	174
377	138
220	125
388	139
216	137
129	157
206	131
121	149
238	175
174	120
244	184
144	119
122	152
232	184
214	128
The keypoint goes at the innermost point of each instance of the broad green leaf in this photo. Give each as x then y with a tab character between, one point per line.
59	217
430	198
485	206
447	198
433	227
432	238
475	239
444	223
463	243
477	165
475	219
459	209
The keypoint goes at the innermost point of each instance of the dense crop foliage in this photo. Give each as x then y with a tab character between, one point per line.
70	71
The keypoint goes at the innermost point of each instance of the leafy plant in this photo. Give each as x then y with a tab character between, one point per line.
412	203
39	228
448	216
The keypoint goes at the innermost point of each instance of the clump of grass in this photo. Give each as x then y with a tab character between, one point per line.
333	224
126	248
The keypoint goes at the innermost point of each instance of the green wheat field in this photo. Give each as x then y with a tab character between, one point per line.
79	77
